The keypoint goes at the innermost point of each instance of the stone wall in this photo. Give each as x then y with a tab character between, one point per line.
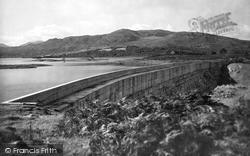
186	77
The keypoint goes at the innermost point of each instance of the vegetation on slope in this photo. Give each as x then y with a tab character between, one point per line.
184	124
190	124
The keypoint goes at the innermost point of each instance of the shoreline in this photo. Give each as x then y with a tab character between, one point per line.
21	66
117	61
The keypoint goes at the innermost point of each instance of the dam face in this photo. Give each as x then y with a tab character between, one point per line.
170	80
136	82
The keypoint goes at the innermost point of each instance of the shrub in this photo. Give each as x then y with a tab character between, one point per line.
152	126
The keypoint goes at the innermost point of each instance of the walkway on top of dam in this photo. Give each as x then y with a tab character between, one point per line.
69	100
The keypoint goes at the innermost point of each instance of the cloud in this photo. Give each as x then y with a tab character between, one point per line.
48	31
169	27
245	32
138	26
241	32
38	33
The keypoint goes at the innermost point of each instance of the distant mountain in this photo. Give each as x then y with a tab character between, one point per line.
29	43
145	42
3	45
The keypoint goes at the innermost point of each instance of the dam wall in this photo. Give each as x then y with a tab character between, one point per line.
180	78
136	81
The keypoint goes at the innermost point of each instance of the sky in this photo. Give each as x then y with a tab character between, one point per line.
23	21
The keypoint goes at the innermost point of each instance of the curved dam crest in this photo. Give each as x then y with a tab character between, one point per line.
136	82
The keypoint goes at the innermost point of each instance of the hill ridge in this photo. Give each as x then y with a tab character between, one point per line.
191	41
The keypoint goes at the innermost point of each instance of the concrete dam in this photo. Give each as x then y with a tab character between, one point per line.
135	82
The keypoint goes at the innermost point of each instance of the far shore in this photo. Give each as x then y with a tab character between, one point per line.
117	61
22	66
123	61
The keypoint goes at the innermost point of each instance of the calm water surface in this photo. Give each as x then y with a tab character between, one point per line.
18	82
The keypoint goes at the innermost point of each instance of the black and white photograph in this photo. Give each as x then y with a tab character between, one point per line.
125	77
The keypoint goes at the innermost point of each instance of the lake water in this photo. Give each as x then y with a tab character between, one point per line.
18	82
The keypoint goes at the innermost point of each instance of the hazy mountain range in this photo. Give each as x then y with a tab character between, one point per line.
161	39
3	45
30	43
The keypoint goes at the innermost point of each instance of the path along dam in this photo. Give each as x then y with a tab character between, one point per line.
135	82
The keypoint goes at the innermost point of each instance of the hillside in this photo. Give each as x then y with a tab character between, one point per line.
139	43
3	45
29	43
